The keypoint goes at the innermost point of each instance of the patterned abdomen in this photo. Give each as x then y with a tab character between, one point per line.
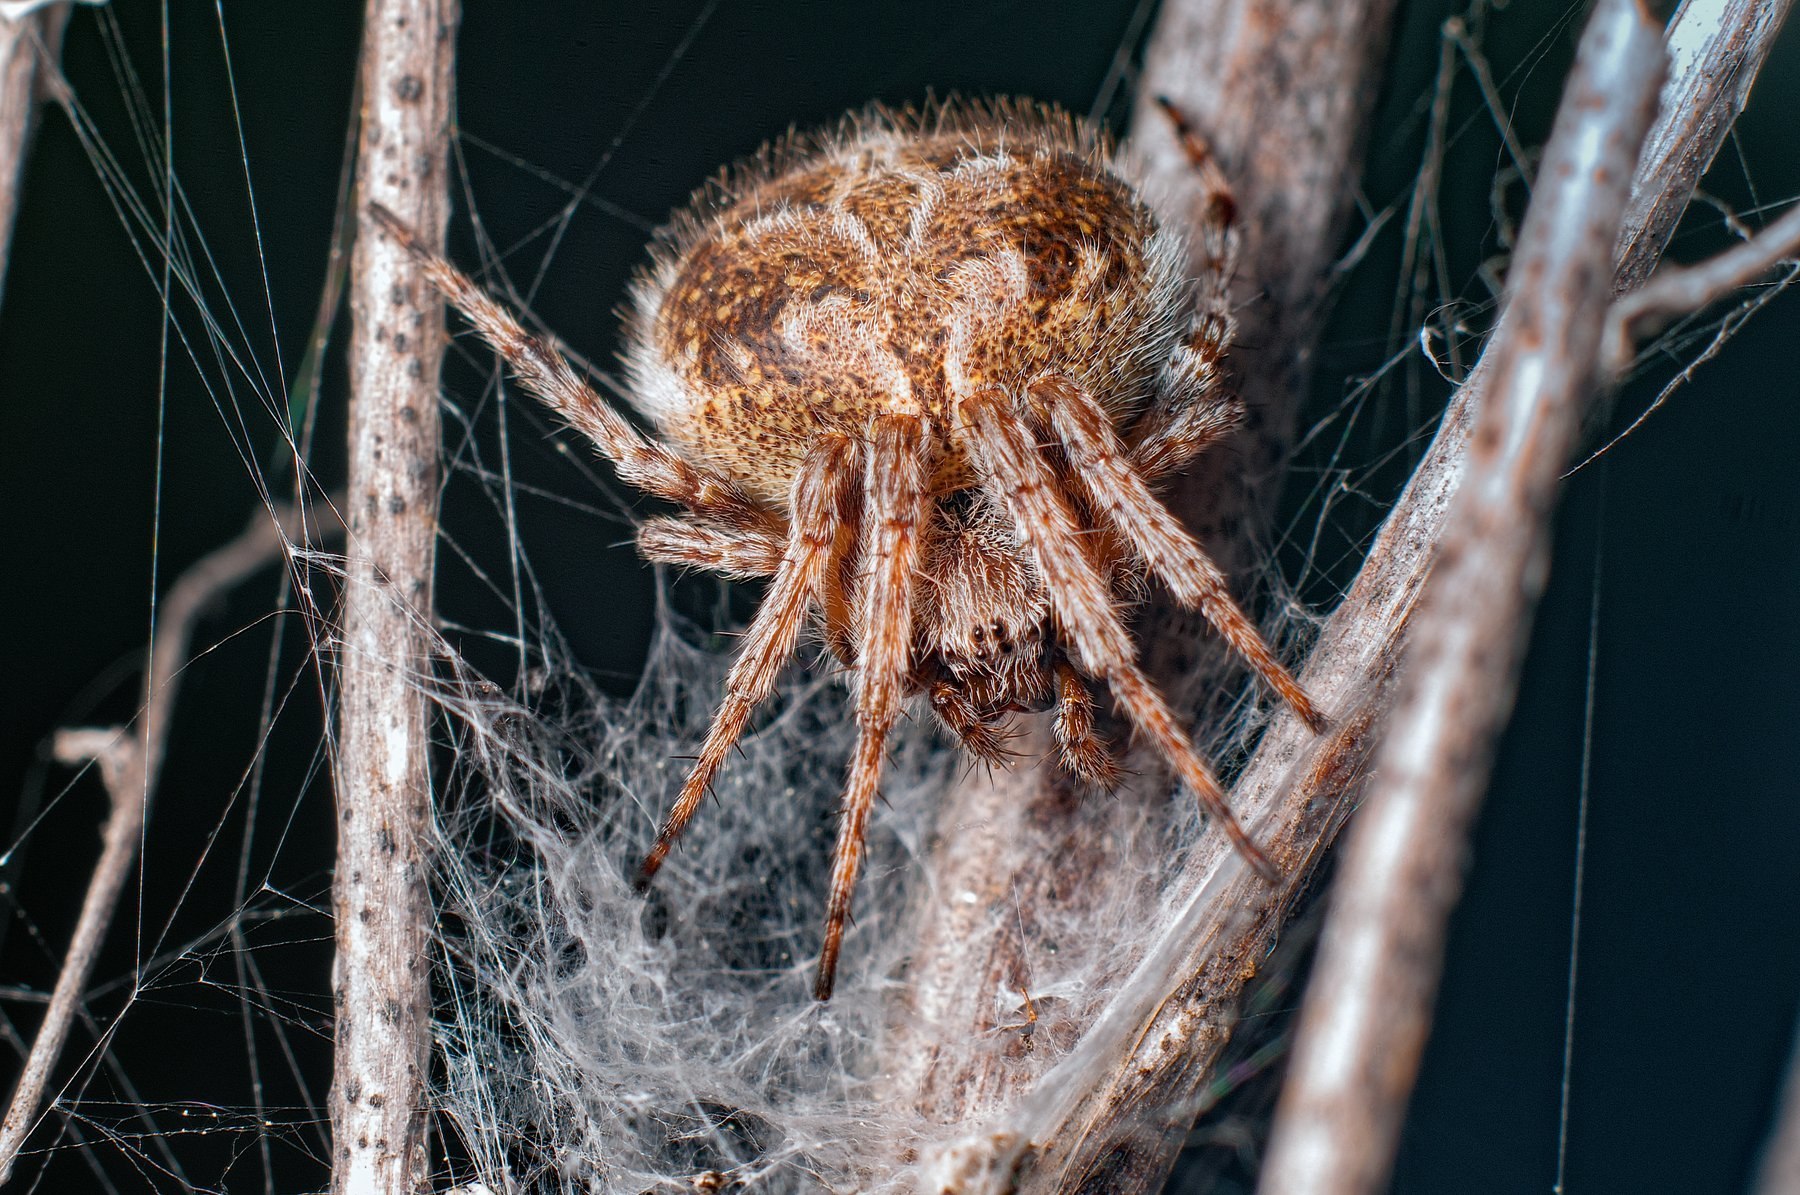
901	274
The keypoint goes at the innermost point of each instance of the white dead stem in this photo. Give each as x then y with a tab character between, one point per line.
1716	50
1684	289
1779	1171
381	984
1368	1006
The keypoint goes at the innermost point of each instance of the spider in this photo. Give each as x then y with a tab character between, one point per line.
923	372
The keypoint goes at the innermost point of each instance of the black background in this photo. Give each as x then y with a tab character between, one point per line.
1689	970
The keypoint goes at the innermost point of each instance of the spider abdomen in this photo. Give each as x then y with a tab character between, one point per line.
899	270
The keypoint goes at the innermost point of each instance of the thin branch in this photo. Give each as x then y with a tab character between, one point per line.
1200	964
27	39
381	985
1680	290
1368	1006
129	765
1716	50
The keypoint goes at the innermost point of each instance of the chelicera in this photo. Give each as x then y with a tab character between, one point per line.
923	373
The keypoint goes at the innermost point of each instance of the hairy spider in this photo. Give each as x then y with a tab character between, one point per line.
923	371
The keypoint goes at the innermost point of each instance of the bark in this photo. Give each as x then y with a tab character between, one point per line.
1716	50
1682	291
1716	40
381	984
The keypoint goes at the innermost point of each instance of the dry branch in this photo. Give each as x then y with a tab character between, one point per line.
1716	50
1162	1033
1368	1006
26	40
129	764
1719	40
1280	90
381	984
1683	290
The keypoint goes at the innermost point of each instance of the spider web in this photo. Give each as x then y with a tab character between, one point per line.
594	1040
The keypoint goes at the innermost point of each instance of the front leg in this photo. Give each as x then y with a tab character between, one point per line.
829	467
1116	490
738	553
647	464
1008	459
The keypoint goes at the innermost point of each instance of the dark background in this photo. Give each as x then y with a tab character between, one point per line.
1688	966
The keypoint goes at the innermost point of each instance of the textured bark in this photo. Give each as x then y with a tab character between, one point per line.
1681	291
1716	50
381	985
1368	1006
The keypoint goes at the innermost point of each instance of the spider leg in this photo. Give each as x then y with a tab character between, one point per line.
1117	490
650	466
740	553
1007	458
837	602
769	641
894	500
1195	416
1198	409
1083	752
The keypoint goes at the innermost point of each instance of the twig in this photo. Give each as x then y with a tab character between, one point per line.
1164	1029
1716	50
1279	90
1682	289
129	765
25	40
381	981
1368	1006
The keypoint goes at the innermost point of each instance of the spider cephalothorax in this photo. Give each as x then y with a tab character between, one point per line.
922	372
